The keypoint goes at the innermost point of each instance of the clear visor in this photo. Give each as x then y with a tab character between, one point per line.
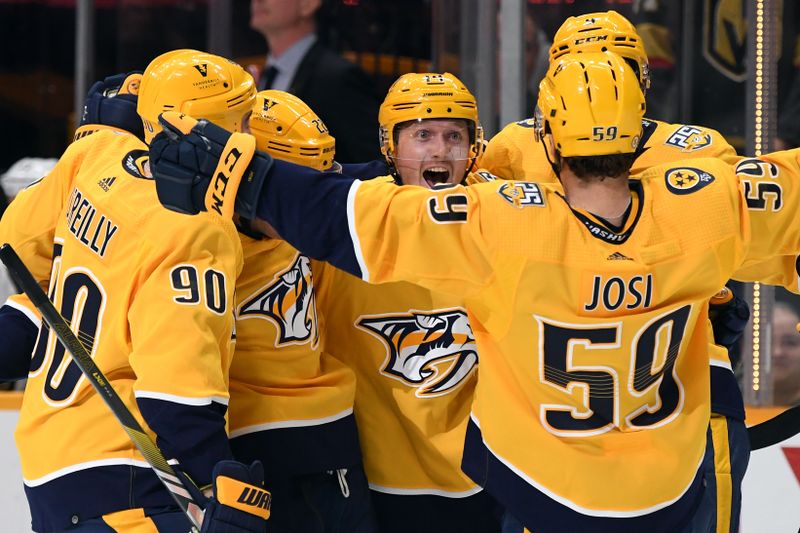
453	154
433	139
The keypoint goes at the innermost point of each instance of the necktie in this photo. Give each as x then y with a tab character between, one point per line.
268	76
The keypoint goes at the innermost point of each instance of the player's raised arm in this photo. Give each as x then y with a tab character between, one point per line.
372	229
771	191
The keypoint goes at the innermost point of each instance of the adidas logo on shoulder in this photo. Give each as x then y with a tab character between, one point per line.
616	256
106	183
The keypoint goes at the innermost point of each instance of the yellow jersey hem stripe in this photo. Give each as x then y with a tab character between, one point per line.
574	506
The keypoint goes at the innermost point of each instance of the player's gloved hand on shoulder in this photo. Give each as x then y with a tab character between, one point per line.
480	176
112	103
240	503
729	315
199	166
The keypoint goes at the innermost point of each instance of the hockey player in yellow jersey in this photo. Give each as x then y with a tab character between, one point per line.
152	306
291	402
412	350
514	154
588	299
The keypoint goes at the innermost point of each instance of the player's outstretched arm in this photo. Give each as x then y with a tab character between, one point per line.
199	166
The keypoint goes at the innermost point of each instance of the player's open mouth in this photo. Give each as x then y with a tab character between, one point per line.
435	175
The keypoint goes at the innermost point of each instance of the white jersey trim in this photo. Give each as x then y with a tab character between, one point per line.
86	466
290	424
25	311
721	364
351	223
574	506
425	492
184	400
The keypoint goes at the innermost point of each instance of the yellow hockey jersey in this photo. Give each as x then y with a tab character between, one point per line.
594	342
514	154
414	357
150	293
291	402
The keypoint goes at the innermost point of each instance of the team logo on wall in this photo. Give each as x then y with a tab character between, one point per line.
725	37
686	180
689	139
433	352
521	194
289	302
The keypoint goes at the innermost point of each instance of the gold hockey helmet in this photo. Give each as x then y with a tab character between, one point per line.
602	32
200	84
286	128
592	104
420	96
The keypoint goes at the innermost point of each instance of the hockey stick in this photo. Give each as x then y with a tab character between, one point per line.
776	429
174	484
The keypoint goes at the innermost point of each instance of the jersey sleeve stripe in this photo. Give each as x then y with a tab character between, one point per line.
289	424
86	466
183	400
351	222
25	311
721	364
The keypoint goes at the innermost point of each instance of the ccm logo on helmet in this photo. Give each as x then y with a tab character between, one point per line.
221	179
591	39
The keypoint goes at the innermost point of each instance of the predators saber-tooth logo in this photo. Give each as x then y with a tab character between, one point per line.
433	352
289	302
135	162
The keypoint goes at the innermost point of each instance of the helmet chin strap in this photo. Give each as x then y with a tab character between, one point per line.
393	169
555	163
469	169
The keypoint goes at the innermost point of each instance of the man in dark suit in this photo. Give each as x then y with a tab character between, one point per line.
338	90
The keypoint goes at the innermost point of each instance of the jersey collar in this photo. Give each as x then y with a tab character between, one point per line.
601	229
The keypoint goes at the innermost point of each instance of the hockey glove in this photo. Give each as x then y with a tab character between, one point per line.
112	103
729	315
481	176
199	166
240	503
